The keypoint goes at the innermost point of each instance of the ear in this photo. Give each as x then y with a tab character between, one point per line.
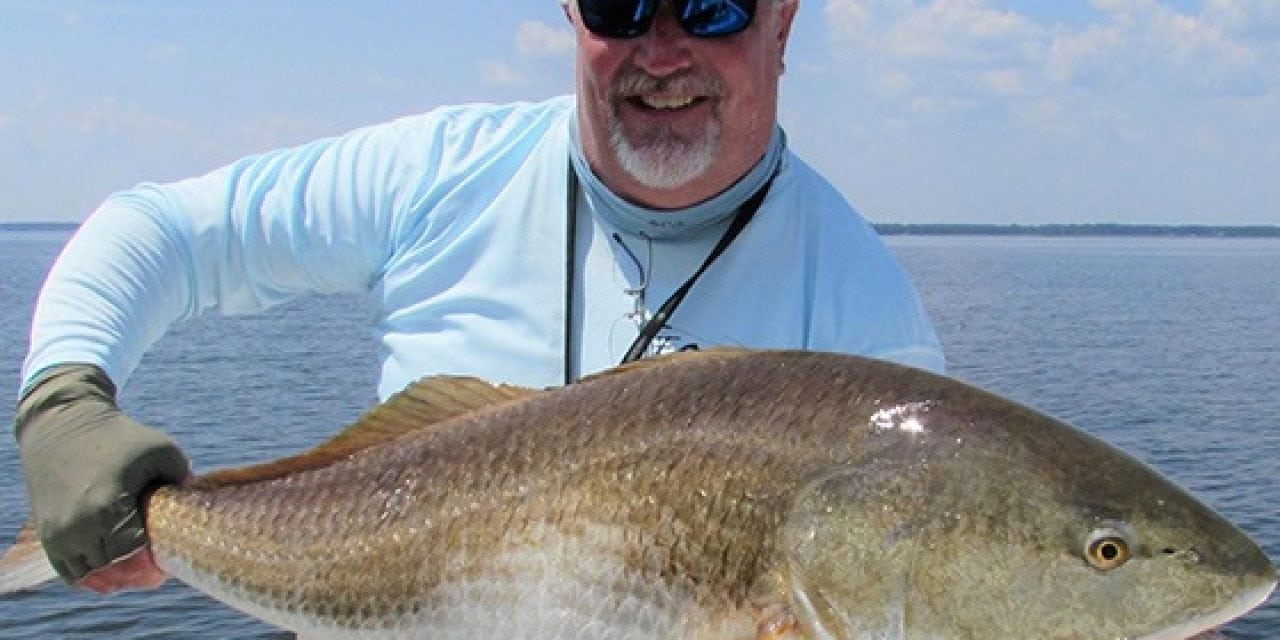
786	15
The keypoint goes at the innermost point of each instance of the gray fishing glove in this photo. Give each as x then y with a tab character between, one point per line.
87	465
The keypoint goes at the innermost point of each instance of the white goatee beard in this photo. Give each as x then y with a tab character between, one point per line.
663	159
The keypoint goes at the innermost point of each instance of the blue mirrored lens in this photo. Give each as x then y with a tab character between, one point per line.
714	18
618	18
700	18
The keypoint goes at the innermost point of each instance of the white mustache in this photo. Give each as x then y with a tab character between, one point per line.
640	83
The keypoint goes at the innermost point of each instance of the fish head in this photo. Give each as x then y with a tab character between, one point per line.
968	516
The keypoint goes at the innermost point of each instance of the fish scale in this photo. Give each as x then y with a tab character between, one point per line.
479	505
726	494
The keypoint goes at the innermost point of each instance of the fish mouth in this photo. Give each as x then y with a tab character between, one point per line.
1236	607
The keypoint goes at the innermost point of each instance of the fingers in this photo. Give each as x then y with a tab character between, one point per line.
125	534
101	535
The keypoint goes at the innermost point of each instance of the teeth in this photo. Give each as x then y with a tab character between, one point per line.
670	102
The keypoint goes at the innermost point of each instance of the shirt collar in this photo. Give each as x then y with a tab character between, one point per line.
671	223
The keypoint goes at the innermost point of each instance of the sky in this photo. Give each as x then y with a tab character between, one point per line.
919	111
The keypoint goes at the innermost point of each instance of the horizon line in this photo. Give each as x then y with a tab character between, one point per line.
940	228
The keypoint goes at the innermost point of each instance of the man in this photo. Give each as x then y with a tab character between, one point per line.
526	243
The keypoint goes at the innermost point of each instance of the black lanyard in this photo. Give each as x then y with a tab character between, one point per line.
659	319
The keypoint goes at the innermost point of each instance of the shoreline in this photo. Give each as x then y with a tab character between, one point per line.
1098	230
948	229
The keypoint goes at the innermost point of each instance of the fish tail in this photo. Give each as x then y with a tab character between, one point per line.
25	565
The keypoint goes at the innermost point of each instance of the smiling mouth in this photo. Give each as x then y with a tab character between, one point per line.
664	103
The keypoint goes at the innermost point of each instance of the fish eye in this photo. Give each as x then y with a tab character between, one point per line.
1107	549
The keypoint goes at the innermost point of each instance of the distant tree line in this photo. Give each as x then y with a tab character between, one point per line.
38	226
899	229
1095	229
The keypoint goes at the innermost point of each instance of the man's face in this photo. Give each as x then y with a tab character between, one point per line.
668	119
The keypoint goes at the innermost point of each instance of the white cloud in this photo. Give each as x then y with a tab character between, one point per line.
111	116
959	31
942	48
538	39
894	81
1134	103
541	49
850	20
948	30
1248	18
6	121
1004	81
389	84
268	131
936	52
1072	55
933	106
501	74
1154	47
168	51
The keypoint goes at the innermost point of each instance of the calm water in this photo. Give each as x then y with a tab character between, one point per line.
1168	348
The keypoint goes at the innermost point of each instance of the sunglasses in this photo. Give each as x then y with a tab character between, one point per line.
699	18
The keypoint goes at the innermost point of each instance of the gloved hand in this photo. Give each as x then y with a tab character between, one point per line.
86	466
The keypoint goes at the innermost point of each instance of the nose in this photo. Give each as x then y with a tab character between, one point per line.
663	49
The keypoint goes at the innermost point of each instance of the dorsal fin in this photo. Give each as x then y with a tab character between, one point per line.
420	407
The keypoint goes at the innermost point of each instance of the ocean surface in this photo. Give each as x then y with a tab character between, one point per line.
1168	348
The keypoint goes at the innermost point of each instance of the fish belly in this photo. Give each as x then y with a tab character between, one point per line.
561	587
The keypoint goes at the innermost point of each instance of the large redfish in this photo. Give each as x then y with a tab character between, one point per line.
713	495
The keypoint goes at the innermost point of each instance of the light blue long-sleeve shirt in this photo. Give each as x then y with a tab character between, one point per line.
453	224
